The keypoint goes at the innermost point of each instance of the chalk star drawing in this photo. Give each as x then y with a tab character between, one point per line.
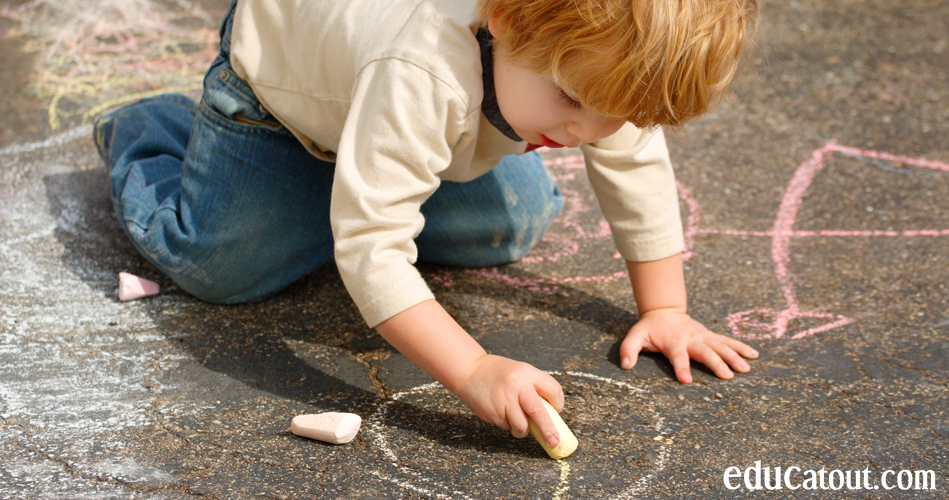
434	468
564	239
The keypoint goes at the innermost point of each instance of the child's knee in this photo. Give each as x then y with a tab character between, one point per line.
212	266
249	268
223	292
496	219
527	227
223	279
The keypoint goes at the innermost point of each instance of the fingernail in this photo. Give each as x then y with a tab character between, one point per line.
552	441
624	363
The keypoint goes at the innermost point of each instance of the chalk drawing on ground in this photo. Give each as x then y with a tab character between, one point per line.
623	422
769	323
63	334
95	54
74	361
563	240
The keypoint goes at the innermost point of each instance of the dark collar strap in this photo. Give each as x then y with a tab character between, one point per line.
489	106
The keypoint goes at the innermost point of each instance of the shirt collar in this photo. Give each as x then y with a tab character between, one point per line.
489	106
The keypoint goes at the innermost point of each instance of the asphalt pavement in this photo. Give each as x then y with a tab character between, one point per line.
816	206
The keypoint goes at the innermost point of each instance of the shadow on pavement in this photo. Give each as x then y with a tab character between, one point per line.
249	342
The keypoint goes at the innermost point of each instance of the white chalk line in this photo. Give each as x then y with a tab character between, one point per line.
56	140
6	245
603	379
376	426
408	486
54	373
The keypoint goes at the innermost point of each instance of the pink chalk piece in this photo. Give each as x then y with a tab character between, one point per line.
330	427
132	287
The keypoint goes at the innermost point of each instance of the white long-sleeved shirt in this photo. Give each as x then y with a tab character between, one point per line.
391	91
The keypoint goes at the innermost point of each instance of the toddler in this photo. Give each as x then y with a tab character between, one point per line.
382	132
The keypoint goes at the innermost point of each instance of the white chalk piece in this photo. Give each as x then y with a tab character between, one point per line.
331	427
568	442
132	287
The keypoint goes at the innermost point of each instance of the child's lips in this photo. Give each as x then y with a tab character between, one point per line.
549	143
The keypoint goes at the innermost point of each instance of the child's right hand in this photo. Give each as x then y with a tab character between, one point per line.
506	393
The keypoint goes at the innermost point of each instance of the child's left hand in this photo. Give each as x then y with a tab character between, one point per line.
681	338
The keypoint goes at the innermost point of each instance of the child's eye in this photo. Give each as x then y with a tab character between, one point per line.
570	100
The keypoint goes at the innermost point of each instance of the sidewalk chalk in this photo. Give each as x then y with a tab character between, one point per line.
132	287
331	427
568	442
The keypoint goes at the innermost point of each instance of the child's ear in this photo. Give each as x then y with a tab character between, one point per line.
494	24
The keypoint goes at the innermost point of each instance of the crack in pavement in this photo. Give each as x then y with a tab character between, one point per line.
365	358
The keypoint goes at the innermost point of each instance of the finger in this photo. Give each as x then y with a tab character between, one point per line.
629	350
730	356
500	422
532	404
548	388
680	364
490	417
708	357
517	421
745	350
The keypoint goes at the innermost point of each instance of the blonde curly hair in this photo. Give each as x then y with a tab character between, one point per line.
650	62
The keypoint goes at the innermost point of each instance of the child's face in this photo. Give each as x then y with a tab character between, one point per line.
542	113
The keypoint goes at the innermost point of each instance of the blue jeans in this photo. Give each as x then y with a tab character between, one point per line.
226	202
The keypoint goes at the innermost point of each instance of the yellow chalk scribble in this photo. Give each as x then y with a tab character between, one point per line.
562	486
91	53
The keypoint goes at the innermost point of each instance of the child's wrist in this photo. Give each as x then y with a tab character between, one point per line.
664	310
458	379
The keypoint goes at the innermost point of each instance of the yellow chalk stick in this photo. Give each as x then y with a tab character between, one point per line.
568	442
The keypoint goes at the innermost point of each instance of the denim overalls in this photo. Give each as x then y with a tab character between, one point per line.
225	201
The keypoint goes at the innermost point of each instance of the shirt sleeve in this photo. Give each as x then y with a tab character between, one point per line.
634	183
398	136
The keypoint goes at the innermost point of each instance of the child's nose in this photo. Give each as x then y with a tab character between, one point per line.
584	130
589	130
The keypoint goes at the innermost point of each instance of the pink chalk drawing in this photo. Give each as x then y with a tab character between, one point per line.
765	323
563	241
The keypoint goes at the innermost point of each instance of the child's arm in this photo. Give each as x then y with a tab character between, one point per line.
665	325
499	390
